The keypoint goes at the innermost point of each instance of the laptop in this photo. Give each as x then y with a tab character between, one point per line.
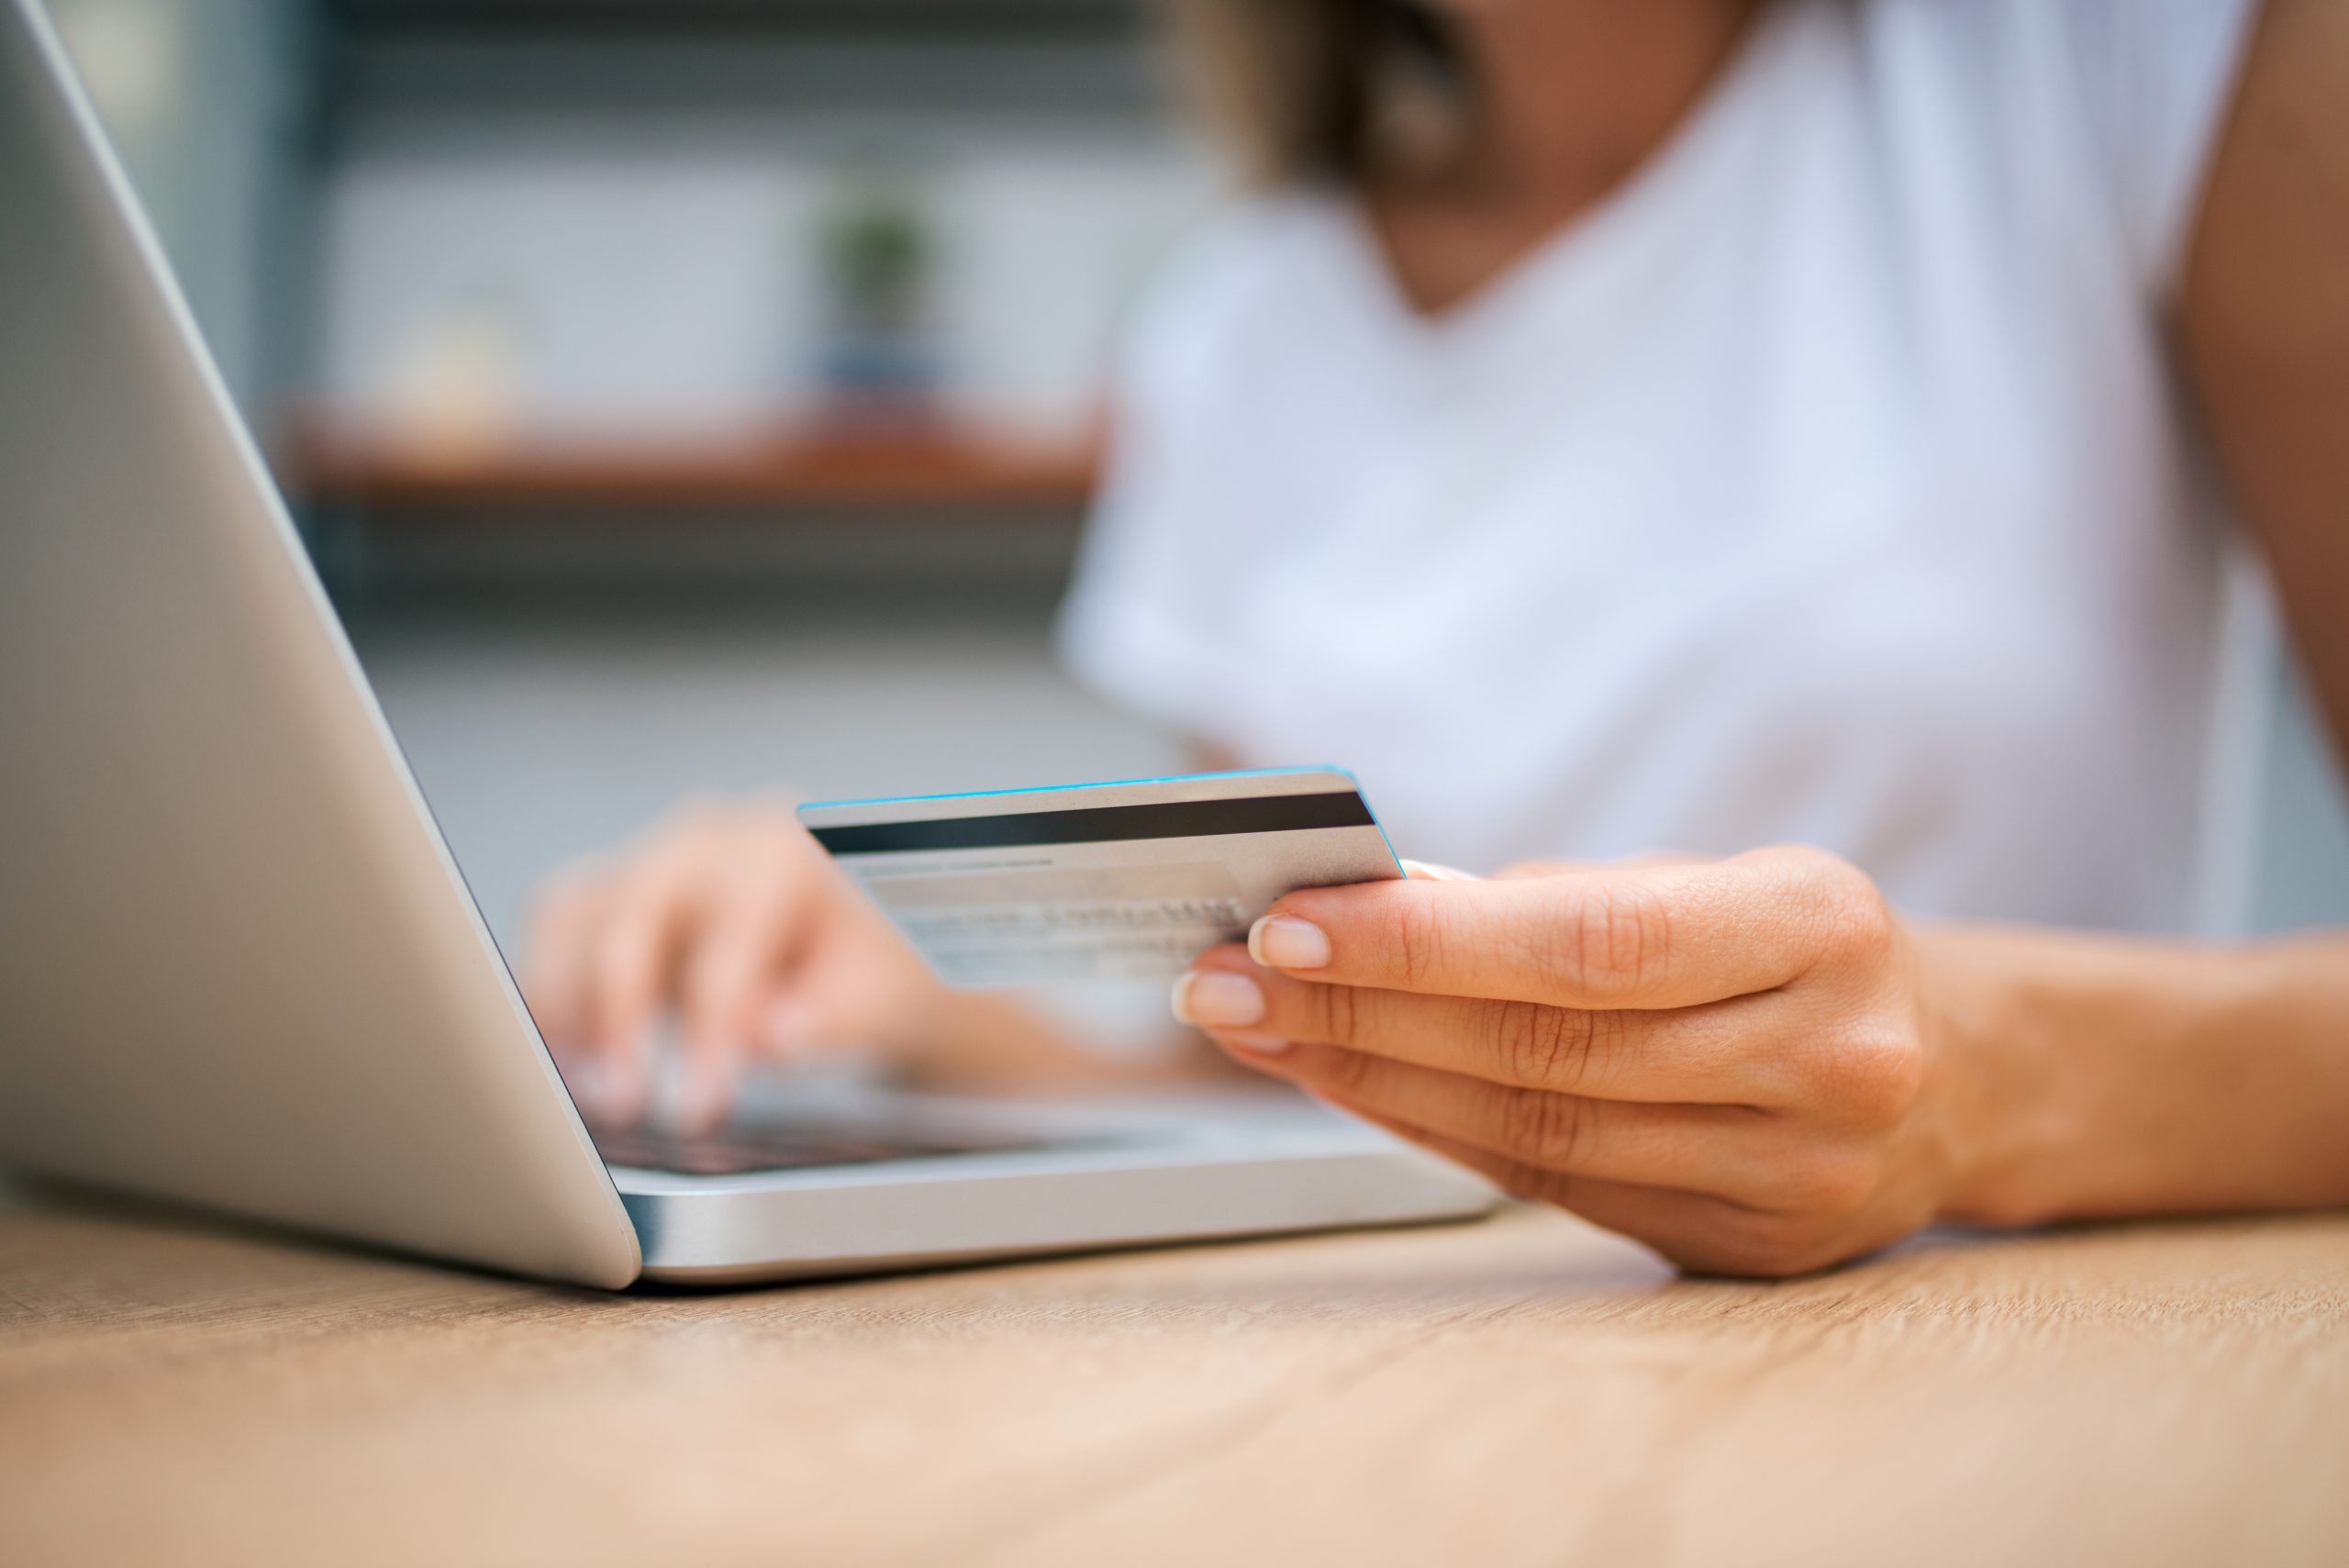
239	967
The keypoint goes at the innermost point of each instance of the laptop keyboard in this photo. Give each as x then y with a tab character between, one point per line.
739	1150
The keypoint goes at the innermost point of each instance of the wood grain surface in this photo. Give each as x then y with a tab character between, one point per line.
1521	1391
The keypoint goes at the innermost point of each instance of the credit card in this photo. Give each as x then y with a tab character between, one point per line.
1124	880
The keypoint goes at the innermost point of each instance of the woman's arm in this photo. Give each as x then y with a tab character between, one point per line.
1752	1065
728	918
2111	1076
2264	323
1755	1067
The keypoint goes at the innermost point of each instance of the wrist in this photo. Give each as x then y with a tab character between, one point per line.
2012	1124
2092	1076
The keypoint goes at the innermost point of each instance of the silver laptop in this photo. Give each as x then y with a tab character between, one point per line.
238	966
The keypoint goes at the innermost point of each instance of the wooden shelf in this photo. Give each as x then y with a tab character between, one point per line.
910	462
557	16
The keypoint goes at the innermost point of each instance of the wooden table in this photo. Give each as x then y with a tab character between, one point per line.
1522	1391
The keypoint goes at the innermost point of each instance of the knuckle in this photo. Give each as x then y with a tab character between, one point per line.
1890	1068
696	831
1814	867
1617	937
1543	1129
1864	926
627	955
1846	900
652	875
1870	1076
1544	1047
1336	1012
1414	940
1837	1182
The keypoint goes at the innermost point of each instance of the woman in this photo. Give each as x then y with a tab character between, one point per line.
1693	425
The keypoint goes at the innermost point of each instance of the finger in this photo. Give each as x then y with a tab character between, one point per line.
1695	1230
554	971
1708	1148
728	977
1657	936
1523	870
1718	1053
756	979
635	955
1428	870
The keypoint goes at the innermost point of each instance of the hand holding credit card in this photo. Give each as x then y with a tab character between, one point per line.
1128	880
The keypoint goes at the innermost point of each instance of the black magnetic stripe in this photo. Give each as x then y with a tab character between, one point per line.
1104	824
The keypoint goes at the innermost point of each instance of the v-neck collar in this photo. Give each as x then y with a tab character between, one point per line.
1616	232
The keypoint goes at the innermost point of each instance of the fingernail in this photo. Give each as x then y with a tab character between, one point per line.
1217	999
1252	1043
1283	941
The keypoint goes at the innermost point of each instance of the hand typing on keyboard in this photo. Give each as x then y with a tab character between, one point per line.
726	918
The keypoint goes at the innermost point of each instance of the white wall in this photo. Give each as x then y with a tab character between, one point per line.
650	286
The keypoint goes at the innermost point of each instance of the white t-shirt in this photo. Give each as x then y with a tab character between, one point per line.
1828	484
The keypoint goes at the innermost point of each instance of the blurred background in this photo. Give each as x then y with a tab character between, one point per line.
677	394
689	394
